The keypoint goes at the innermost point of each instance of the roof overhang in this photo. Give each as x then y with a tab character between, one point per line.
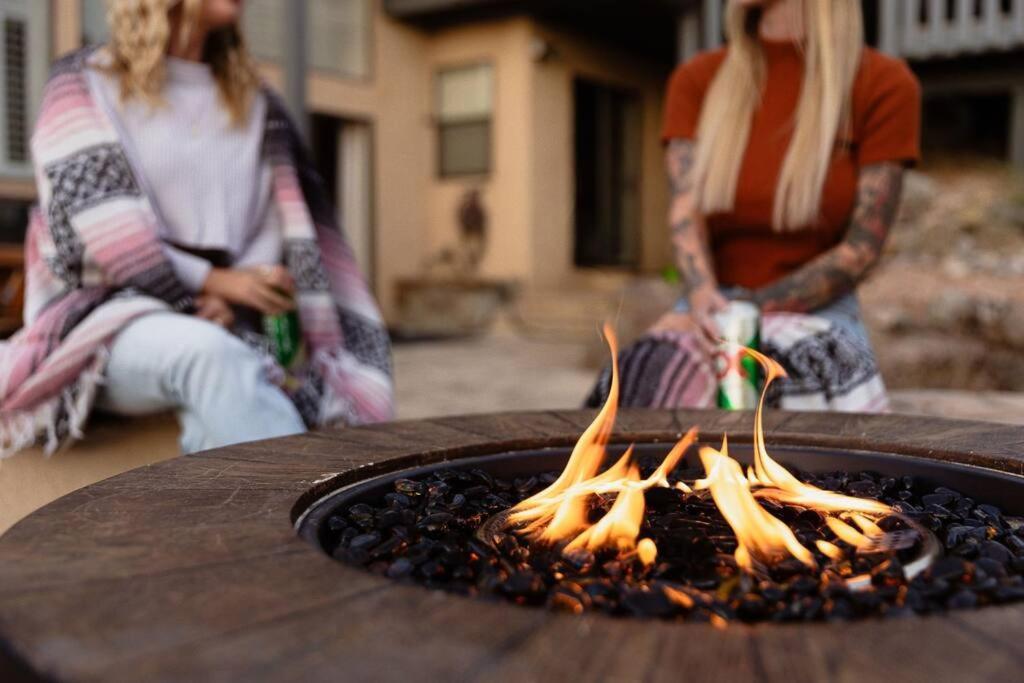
642	26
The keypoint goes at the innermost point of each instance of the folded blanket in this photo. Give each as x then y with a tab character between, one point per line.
827	355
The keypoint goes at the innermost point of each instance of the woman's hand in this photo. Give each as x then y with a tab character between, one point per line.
699	321
704	304
267	289
215	309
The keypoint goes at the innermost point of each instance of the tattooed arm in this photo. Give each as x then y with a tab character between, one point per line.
689	233
691	246
839	270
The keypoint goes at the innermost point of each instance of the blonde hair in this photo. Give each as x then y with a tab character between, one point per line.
833	45
139	33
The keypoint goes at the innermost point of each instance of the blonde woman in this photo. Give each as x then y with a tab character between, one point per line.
786	152
178	210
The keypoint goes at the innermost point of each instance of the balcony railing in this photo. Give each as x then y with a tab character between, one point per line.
922	29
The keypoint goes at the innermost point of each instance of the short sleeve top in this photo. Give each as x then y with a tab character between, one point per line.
885	127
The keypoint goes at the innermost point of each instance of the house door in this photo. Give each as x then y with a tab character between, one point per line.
343	152
608	146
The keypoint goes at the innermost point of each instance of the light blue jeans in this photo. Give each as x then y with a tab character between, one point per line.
211	378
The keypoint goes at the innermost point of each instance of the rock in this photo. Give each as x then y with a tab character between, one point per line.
364	541
524	583
389	518
400	568
952	309
963	600
997	551
919	194
864	489
563	601
943	499
948	568
1012	325
649	603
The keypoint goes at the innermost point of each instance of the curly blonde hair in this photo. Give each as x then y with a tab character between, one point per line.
139	34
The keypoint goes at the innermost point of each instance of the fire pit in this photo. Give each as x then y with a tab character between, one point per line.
192	569
642	532
980	560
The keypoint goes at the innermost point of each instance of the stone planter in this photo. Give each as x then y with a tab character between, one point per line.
449	308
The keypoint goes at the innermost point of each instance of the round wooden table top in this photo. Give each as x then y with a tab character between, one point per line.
192	570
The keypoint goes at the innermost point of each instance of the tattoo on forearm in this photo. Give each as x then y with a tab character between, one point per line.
680	159
839	270
688	240
692	274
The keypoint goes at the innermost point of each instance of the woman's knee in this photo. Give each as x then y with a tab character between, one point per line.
211	353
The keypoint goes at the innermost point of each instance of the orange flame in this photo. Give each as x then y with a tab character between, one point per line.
845	532
561	512
829	550
646	552
759	534
779	484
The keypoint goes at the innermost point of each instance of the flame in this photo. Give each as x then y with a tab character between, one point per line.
760	535
646	552
560	514
678	597
778	483
830	550
845	532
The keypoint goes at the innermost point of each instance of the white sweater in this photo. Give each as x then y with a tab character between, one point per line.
206	176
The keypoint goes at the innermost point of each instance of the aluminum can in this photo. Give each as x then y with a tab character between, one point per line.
285	337
738	374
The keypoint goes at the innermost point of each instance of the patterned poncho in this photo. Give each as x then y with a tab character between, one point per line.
94	262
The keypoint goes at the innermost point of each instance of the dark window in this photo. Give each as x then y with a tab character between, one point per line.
13	220
465	148
16	89
464	110
608	144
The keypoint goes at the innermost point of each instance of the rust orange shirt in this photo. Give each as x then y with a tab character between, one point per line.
885	127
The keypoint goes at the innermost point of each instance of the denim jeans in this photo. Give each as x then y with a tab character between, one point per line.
212	379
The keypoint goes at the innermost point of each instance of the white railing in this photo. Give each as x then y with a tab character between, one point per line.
700	27
919	29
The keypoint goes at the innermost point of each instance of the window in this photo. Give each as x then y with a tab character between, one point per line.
339	33
341	36
13	221
609	137
465	100
24	60
94	22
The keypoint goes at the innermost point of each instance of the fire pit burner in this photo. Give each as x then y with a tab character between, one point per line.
423	526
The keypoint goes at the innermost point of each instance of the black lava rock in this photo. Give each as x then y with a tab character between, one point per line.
948	568
425	532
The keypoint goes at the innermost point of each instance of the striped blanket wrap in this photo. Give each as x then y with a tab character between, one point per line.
95	262
830	366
